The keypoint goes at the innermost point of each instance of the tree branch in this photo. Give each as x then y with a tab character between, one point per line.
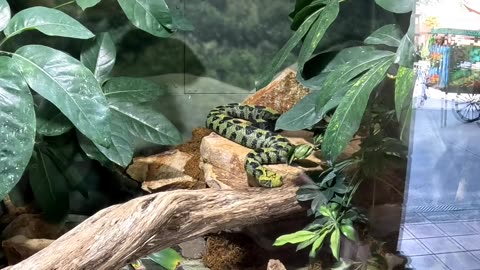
122	233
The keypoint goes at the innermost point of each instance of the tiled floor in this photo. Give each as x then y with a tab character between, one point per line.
447	240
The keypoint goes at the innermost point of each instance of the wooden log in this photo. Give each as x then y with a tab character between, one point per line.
122	233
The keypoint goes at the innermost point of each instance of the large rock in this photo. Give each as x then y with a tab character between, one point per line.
165	171
32	226
281	94
275	265
20	247
223	163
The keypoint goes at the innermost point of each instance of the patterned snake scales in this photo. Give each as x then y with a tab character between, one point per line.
255	133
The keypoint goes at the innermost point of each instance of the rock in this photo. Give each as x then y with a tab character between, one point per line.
161	172
193	249
32	226
193	265
395	261
20	247
275	265
223	162
281	94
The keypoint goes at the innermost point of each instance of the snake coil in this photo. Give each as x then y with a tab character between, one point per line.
255	132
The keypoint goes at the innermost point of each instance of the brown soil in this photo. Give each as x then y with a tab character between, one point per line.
229	251
193	147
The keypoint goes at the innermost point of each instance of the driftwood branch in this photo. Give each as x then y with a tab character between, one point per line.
122	233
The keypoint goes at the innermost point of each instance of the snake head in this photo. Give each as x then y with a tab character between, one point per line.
270	180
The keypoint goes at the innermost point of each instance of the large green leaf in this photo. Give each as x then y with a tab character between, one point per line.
340	58
335	243
132	90
49	21
48	185
406	50
313	107
5	14
65	82
98	55
152	16
397	6
347	72
300	17
91	150
50	120
167	258
294	238
404	84
121	150
349	113
299	5
405	127
303	114
144	122
84	4
389	35
282	54
17	132
323	21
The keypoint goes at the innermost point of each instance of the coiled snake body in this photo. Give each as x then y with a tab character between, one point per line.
255	133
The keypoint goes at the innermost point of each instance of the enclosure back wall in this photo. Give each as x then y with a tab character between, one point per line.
216	63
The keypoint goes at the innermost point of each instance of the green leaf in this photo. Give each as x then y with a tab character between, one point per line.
167	258
152	16
180	22
65	82
74	175
348	231
405	127
98	55
294	238
348	71
51	22
146	123
406	50
300	17
396	6
299	5
5	14
50	120
335	243
84	4
307	193
340	58
349	113
404	85
131	90
121	150
281	55
323	21
389	35
17	125
49	186
318	243
91	150
306	243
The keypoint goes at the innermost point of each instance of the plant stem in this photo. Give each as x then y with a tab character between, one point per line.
3	41
64	4
7	53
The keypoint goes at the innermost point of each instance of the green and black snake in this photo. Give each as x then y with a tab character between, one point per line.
255	133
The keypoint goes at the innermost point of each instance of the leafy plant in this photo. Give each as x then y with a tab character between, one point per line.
345	84
167	259
45	93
